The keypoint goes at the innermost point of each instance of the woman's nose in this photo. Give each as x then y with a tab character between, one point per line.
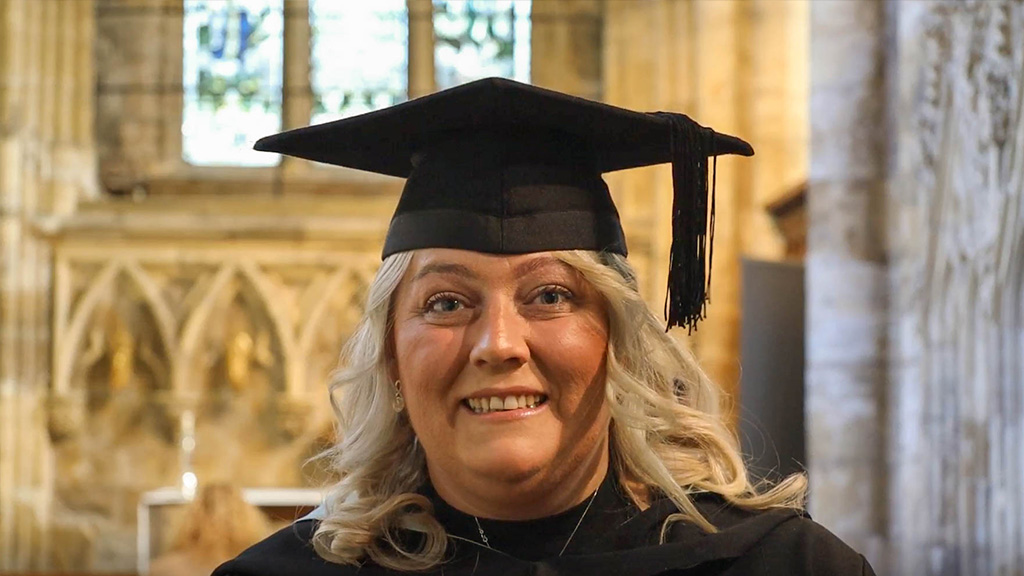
500	337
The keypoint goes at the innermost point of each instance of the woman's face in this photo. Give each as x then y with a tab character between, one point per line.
502	365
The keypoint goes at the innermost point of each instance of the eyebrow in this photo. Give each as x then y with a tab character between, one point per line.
445	268
538	263
453	269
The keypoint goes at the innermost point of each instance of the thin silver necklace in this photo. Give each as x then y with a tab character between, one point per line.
487	544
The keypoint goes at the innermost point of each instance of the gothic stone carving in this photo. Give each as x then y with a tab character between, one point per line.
245	339
959	271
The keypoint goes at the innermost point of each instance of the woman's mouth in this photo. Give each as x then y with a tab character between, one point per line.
487	405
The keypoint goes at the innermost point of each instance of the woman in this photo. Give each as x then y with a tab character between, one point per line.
509	405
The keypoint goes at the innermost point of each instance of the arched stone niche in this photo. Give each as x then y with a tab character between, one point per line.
240	334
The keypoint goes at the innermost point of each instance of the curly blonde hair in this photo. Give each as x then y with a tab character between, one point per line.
667	433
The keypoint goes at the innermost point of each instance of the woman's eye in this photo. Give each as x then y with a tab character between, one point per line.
551	297
443	304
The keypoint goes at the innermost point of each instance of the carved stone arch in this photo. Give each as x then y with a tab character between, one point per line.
264	293
148	289
146	332
113	358
69	338
183	370
239	355
330	324
332	285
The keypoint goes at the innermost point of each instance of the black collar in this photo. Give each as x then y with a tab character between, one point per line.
544	537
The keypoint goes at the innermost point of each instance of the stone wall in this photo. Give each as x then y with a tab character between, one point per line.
914	282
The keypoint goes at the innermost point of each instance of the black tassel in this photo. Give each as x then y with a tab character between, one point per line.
693	224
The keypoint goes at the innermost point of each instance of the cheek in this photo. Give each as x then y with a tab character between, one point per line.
576	369
421	348
581	351
427	362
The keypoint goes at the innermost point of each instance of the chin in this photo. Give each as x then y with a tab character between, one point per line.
509	460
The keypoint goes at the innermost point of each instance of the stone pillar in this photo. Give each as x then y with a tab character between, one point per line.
846	275
297	91
139	90
46	166
658	56
646	53
566	46
774	104
718	75
957	493
421	47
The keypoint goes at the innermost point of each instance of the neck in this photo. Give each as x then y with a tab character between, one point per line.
536	496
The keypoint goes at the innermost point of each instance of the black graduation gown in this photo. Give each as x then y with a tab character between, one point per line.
613	538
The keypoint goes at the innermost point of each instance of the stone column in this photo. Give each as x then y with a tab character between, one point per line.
421	47
297	90
641	60
736	66
846	275
139	91
46	165
11	40
718	75
566	46
774	104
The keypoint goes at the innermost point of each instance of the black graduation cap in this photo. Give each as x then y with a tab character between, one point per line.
501	167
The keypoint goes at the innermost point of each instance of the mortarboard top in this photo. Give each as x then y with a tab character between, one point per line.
501	167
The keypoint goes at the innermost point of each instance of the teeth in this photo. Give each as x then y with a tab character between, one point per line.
495	403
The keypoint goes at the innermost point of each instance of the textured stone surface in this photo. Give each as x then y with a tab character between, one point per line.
957	411
46	159
847	288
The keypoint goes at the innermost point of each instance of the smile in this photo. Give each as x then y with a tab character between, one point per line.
504	403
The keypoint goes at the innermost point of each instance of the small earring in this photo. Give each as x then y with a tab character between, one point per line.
398	403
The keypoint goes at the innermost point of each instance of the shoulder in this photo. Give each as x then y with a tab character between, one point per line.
778	541
287	552
803	546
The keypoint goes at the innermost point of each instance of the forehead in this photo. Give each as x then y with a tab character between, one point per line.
431	261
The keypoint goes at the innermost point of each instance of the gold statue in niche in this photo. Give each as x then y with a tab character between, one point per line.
238	359
240	354
122	356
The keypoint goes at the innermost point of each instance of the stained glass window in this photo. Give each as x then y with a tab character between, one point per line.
359	56
233	54
475	39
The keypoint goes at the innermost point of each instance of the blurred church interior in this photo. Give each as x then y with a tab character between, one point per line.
172	303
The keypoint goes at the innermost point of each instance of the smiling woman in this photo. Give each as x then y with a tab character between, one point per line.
509	404
472	334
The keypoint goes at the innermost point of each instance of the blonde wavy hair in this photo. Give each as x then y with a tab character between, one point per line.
667	433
